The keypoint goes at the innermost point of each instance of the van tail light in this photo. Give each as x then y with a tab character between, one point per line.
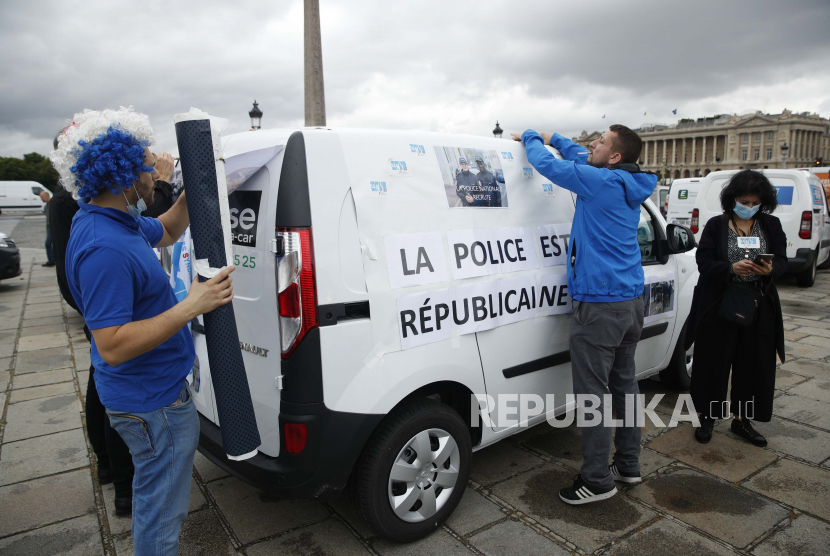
695	221
806	229
296	291
296	436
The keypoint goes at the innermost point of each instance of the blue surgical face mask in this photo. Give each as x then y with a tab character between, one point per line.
744	211
135	210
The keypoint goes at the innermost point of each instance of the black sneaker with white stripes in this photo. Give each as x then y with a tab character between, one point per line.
580	493
622	476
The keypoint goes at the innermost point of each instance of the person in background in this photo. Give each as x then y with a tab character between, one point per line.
489	194
50	255
465	182
728	245
114	462
141	347
606	280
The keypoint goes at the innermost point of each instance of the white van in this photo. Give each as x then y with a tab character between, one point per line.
21	195
802	210
681	200
358	258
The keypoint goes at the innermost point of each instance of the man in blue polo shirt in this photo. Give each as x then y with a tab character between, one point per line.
141	350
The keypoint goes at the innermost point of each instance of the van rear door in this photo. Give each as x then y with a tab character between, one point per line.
252	212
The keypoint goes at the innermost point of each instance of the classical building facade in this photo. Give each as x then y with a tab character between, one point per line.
692	148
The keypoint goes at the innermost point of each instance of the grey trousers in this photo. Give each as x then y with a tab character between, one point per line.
603	339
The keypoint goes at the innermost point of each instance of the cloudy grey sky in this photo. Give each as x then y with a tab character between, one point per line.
435	65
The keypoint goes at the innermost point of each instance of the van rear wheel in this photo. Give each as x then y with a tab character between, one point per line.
413	472
806	278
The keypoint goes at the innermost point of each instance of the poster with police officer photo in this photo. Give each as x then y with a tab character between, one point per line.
658	298
472	177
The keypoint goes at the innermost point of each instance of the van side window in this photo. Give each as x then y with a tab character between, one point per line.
36	190
646	237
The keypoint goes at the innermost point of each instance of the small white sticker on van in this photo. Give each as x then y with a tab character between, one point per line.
398	167
378	187
417	150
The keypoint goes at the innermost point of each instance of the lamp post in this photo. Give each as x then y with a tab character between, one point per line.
784	150
497	131
256	117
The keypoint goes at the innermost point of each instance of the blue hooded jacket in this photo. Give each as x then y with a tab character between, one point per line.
606	262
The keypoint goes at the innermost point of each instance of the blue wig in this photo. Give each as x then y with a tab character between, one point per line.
112	160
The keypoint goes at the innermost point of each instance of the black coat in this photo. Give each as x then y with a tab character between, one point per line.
714	267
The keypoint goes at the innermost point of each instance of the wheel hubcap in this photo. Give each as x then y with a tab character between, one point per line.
424	475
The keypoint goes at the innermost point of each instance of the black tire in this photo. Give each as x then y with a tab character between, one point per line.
371	484
806	278
678	375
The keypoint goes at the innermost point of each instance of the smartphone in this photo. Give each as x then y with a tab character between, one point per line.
766	257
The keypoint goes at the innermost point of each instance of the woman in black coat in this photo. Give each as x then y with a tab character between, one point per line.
728	245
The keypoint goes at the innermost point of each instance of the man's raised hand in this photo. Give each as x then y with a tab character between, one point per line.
206	296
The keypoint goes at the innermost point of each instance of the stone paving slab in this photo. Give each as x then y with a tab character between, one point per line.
45	455
45	310
724	456
208	471
42	341
41	417
42	378
670	538
805	536
75	537
512	537
42	360
722	510
44	329
473	512
799	485
798	349
789	438
499	462
803	410
34	503
25	394
808	368
536	493
329	538
815	389
5	376
41	321
343	508
786	379
439	543
82	360
255	514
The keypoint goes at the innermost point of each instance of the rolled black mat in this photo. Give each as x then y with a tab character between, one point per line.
240	435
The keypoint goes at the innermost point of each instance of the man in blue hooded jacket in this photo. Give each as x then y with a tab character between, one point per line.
605	279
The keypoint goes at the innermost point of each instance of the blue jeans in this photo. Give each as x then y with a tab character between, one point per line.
163	444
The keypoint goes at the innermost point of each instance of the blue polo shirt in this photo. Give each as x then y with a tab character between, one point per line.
116	278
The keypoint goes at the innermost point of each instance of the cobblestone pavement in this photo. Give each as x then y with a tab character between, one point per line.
726	497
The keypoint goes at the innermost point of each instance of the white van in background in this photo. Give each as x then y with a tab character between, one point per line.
660	198
802	210
681	200
21	195
351	237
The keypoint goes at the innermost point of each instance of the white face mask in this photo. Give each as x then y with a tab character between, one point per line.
138	208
